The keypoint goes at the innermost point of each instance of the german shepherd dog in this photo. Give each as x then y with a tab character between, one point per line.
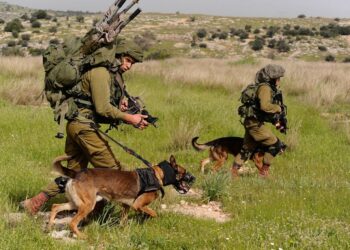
220	148
135	189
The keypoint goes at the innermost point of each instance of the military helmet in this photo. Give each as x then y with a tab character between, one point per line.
269	72
129	48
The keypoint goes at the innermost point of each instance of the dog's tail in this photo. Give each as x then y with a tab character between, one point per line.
197	146
57	166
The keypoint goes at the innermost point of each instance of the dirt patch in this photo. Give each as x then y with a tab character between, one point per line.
212	210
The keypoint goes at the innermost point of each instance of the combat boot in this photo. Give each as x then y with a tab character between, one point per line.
264	171
234	170
33	205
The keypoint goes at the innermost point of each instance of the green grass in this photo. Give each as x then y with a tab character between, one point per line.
303	206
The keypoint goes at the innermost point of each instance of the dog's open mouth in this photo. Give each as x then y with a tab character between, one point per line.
185	184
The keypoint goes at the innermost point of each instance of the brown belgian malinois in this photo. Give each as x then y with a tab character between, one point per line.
220	148
135	189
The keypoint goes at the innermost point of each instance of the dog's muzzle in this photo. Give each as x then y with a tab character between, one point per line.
185	183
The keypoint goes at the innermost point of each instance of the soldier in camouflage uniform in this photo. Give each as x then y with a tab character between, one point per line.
257	134
105	89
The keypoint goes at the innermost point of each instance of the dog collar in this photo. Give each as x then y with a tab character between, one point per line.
169	173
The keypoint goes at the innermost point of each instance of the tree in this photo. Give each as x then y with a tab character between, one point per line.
301	16
80	19
40	14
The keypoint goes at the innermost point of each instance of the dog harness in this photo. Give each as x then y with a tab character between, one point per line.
149	181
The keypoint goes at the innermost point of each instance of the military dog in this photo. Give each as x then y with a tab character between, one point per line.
135	189
220	148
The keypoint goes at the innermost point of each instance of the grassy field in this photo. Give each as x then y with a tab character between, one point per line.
303	206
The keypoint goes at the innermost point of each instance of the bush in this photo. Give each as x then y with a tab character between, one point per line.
322	48
12	51
203	45
25	17
54	41
14	25
337	19
40	14
53	29
346	60
223	35
201	33
248	28
301	16
11	43
23	43
54	19
146	40
35	52
80	19
329	58
15	34
95	21
25	37
36	24
2	21
282	46
256	31
257	44
192	19
272	43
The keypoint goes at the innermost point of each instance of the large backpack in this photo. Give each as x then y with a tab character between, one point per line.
249	101
64	66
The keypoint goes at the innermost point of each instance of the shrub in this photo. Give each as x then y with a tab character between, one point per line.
40	14
95	21
12	51
80	19
272	43
256	31
146	40
2	21
25	37
14	25
301	16
54	41
203	45
201	33
322	48
54	19
282	46
346	60
214	186
192	18
23	43
25	17
257	44
15	34
35	51
329	58
248	28
223	35
11	43
337	19
232	31
36	24
53	29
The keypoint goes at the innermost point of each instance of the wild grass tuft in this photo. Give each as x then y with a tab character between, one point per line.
180	138
215	186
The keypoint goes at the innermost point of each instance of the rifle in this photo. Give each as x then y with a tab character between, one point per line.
281	118
109	27
136	106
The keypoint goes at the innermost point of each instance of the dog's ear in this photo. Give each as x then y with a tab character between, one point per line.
173	161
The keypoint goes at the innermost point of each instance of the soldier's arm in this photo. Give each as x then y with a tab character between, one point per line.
266	105
100	82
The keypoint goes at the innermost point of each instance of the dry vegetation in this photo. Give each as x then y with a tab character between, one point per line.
318	84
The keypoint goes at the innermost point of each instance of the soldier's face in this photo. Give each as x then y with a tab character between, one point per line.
127	62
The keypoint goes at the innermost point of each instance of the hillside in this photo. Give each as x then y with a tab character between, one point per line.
194	36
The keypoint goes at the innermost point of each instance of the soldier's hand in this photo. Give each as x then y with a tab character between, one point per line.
137	120
124	105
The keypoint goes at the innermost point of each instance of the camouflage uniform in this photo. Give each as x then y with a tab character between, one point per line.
105	90
257	134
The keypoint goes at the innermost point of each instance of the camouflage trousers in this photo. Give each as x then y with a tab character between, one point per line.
256	135
84	145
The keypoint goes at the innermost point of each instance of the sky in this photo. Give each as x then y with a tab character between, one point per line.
246	8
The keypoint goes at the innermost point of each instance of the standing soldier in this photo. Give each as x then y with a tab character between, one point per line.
103	89
262	102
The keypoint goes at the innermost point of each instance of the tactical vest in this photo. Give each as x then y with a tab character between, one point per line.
250	107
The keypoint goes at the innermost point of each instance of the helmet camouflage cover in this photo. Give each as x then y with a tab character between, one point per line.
129	48
269	72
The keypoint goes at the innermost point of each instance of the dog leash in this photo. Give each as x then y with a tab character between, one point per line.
125	148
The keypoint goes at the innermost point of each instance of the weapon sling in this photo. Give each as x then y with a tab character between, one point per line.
125	148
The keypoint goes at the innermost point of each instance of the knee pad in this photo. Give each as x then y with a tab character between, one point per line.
276	148
61	183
